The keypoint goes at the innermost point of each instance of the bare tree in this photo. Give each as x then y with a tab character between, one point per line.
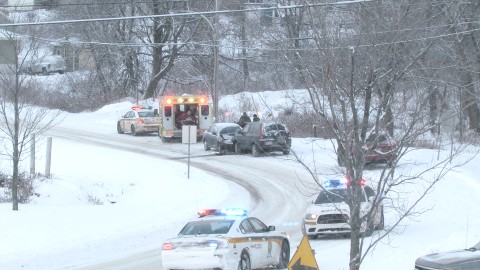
369	84
19	117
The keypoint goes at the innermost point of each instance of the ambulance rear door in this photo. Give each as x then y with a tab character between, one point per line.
167	117
205	117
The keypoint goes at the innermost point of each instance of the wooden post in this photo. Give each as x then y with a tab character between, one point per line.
32	154
49	157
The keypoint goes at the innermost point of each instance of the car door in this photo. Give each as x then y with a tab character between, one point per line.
211	136
124	121
263	243
129	120
247	230
377	212
241	137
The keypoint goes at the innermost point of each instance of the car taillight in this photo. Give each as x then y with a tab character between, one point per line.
167	246
140	121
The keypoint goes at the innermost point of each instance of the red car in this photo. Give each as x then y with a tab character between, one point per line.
379	148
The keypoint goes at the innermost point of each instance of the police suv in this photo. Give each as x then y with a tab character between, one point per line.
330	214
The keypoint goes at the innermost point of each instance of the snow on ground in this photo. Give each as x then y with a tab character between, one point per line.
95	205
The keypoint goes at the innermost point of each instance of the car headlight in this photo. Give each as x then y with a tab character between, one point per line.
311	216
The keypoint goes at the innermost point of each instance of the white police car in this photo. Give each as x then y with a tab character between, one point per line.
139	120
330	214
226	239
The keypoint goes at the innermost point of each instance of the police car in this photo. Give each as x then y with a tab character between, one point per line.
226	239
330	214
139	120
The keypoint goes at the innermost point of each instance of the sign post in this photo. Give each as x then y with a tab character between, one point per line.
189	134
303	258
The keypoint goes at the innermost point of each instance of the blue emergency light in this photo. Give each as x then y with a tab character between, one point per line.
222	212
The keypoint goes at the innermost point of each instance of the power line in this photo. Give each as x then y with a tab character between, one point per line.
186	14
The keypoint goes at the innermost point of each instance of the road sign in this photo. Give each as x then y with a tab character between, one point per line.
303	258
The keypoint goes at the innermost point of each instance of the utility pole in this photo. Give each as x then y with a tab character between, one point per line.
215	64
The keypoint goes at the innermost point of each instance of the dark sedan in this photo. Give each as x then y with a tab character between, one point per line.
220	136
462	259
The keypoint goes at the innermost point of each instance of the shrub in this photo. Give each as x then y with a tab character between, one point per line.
26	188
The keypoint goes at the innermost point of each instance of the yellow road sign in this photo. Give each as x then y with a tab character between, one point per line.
303	258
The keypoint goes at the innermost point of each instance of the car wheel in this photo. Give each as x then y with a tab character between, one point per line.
312	237
286	151
244	263
237	149
44	71
284	257
221	150
132	129
205	146
255	150
119	128
61	72
165	139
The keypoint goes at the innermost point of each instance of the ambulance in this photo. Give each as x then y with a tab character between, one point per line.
177	111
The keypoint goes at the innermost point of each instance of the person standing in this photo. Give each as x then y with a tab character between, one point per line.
244	119
256	118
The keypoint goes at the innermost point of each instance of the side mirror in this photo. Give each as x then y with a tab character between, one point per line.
271	228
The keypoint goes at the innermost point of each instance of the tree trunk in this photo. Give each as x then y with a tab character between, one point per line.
468	92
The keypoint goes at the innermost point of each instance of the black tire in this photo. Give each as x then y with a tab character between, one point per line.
221	150
244	263
205	146
312	237
255	150
132	129
61	72
119	129
284	256
44	71
286	151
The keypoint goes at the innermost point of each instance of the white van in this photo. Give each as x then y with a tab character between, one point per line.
48	64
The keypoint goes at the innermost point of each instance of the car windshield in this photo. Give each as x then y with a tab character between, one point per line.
207	227
334	196
230	130
146	114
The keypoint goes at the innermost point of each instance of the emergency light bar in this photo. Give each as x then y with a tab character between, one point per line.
185	100
341	183
139	107
222	212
